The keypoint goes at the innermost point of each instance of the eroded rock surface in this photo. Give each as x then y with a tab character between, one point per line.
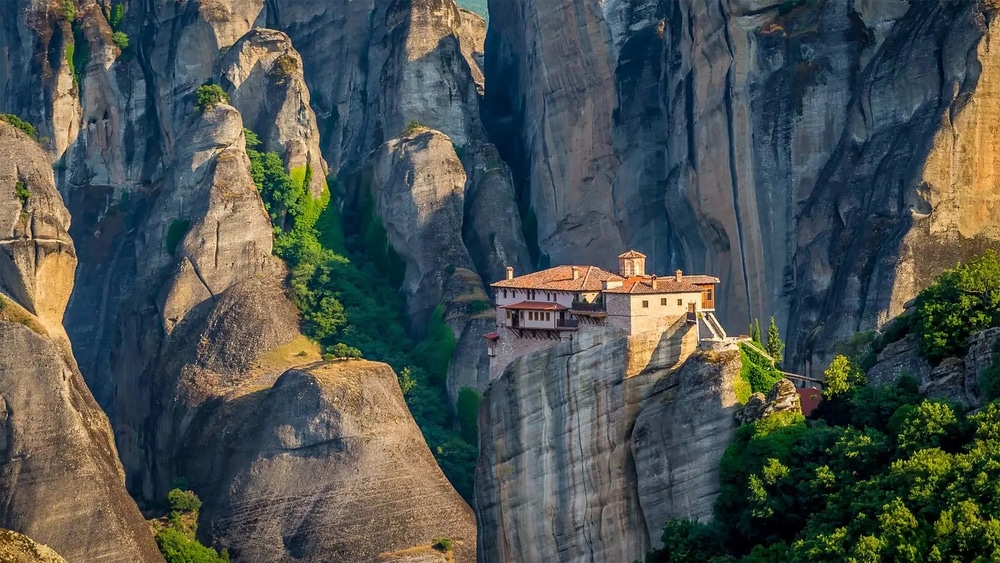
781	398
365	485
679	439
18	548
53	436
562	474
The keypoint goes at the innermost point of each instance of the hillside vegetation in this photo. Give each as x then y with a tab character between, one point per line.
880	473
344	280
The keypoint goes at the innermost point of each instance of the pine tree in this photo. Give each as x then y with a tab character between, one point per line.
774	344
755	331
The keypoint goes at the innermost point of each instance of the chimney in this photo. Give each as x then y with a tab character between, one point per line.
510	272
679	275
652	282
576	273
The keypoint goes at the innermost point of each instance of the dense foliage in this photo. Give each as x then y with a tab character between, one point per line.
756	369
176	537
19	123
344	279
208	95
22	193
962	302
883	476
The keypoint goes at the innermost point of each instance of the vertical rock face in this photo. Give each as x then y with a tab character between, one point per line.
263	75
562	474
751	139
53	436
679	438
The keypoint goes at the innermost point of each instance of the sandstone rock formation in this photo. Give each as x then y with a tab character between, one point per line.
954	379
679	438
813	155
570	445
263	75
781	398
53	436
366	486
17	548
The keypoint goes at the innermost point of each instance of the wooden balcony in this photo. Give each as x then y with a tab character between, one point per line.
584	309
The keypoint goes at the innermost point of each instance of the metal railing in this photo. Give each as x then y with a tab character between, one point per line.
584	306
567	323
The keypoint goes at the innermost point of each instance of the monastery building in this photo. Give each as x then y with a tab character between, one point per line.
536	309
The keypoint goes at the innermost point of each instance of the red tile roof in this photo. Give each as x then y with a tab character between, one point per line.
809	399
536	306
491	336
632	254
643	284
560	278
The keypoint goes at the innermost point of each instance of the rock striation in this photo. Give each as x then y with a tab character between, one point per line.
821	158
53	436
366	486
680	437
580	453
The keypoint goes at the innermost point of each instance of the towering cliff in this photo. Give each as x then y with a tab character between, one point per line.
181	319
585	453
53	436
824	158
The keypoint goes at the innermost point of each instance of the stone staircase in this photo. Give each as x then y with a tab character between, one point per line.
709	327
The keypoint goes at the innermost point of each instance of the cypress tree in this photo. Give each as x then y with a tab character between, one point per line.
774	344
755	332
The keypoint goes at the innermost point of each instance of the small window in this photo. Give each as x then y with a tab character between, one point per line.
645	304
708	295
680	302
548	316
505	294
663	301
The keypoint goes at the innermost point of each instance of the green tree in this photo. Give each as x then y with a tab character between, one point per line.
755	331
120	39
841	377
775	347
176	547
209	95
183	501
961	302
406	381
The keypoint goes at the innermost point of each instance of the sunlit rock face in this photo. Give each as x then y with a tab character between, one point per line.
824	159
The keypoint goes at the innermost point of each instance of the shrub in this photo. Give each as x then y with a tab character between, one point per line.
443	544
414	126
476	307
183	501
120	39
775	347
69	10
22	192
116	16
78	54
177	547
19	123
209	95
175	234
406	381
757	369
342	351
